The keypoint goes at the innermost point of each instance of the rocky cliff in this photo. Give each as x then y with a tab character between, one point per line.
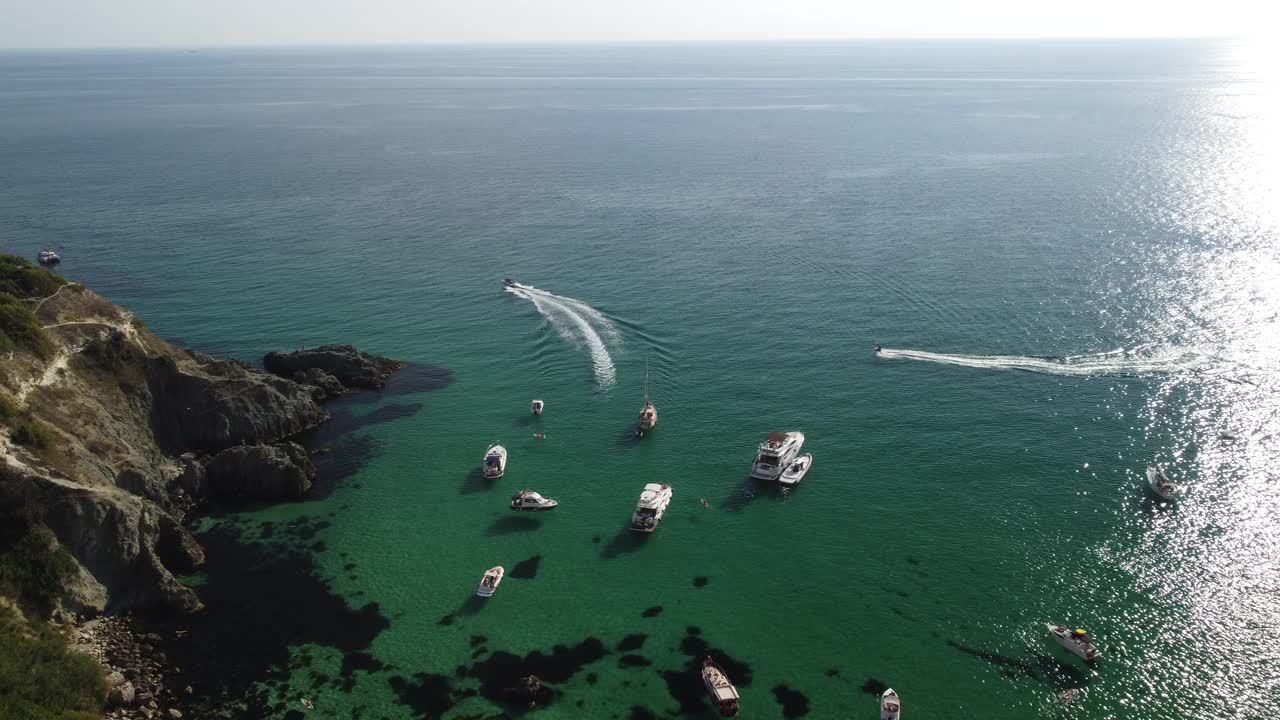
108	435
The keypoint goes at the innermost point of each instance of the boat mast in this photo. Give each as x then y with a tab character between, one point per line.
646	378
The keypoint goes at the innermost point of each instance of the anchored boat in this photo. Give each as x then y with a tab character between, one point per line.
648	414
723	694
495	462
530	501
890	705
1077	641
536	407
795	471
48	257
651	507
1161	484
489	583
776	452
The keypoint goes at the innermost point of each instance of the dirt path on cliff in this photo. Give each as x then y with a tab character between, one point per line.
61	360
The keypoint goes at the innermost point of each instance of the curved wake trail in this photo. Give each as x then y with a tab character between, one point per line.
572	319
1116	362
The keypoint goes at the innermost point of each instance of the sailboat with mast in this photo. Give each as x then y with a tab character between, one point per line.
648	414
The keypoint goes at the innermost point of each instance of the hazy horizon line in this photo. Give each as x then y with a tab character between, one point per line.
629	43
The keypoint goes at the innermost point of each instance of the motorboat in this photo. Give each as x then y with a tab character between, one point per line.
796	470
508	282
489	583
775	454
648	413
651	507
1161	484
1077	641
536	407
48	257
890	705
495	462
530	501
723	694
878	349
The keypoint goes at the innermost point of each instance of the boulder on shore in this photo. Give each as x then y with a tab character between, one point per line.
351	367
280	470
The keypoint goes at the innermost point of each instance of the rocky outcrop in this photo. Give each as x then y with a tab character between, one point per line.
139	431
272	472
351	367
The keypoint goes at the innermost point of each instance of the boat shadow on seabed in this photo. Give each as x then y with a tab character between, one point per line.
475	482
750	489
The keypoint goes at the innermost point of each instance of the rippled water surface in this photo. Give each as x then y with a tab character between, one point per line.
1067	250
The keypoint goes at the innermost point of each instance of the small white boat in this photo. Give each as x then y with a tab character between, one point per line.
651	507
489	583
776	452
890	705
495	461
648	417
1077	641
796	470
530	501
723	694
1161	484
49	257
536	407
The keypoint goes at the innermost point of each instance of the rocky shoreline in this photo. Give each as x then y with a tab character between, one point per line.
136	667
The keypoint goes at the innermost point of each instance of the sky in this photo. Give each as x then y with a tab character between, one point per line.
209	23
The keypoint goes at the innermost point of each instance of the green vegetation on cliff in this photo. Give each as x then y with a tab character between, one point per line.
19	279
40	678
33	566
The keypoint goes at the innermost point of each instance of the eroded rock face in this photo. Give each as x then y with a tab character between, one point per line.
274	472
323	385
351	367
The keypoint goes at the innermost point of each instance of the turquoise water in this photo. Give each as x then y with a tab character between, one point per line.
1068	248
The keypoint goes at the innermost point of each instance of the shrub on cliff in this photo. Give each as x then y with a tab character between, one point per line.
20	278
19	328
33	434
33	566
40	679
9	408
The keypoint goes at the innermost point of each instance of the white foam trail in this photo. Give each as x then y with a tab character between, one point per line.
1109	363
592	314
569	318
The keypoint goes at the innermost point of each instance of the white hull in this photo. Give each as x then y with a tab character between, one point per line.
492	471
1083	650
529	501
796	470
536	407
1161	485
890	705
777	452
490	582
652	506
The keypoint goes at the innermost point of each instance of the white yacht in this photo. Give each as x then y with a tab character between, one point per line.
653	504
49	257
796	470
890	705
530	501
1161	484
776	453
723	694
495	461
536	407
1077	641
489	583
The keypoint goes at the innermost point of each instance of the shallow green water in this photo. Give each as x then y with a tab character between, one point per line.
752	221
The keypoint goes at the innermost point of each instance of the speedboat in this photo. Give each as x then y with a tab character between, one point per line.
489	583
530	501
796	470
1161	484
49	257
648	413
495	461
723	694
775	454
1077	641
878	349
651	507
536	406
890	705
508	282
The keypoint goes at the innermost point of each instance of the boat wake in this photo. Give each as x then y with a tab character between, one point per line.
577	322
1114	363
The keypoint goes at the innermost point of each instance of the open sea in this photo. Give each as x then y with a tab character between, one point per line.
1070	252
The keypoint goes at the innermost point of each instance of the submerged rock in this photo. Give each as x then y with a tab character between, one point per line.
348	365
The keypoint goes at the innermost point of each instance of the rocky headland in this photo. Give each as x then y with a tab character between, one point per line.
110	437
